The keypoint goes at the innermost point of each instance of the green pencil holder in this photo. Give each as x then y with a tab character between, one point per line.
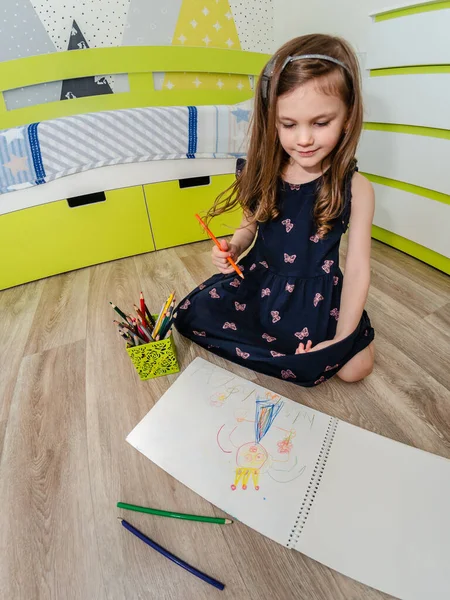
155	359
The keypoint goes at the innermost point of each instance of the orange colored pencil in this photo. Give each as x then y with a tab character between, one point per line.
216	241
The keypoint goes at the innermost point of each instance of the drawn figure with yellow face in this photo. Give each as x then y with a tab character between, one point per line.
252	458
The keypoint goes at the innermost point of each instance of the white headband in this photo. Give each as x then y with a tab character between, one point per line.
268	71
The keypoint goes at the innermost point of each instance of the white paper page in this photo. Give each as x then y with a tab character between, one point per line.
382	516
205	424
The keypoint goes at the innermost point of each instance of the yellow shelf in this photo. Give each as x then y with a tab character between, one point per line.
53	238
172	211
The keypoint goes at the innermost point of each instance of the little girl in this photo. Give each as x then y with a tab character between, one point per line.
293	315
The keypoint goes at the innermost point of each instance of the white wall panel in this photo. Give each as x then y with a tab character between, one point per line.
424	221
414	159
420	39
408	99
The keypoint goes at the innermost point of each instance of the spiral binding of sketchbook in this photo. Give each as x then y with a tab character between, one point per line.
314	484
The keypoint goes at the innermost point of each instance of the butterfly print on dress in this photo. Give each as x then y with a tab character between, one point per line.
290	287
326	265
213	293
317	299
185	305
335	280
239	306
200	333
288	374
269	338
242	354
265	292
328	368
275	316
315	238
253	266
320	380
335	313
201	286
287	223
264	264
227	325
289	259
276	354
235	283
301	335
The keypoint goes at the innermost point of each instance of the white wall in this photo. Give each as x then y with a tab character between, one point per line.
347	18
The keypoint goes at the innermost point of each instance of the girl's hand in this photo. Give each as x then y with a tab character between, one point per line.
219	257
302	349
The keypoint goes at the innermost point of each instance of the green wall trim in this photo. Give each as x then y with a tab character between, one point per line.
438	261
411	10
410	129
419	70
137	61
408	187
127	59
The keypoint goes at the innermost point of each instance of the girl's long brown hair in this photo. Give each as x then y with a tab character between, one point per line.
255	189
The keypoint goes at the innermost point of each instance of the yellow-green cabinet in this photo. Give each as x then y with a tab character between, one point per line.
55	237
172	206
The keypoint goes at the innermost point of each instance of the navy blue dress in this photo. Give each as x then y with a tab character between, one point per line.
291	294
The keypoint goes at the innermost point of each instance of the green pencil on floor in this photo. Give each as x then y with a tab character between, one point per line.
174	515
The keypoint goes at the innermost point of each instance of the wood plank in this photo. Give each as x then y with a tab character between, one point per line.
441	319
47	530
418	272
427	346
17	308
404	290
61	314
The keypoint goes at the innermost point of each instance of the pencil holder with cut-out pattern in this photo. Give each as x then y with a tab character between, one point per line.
155	359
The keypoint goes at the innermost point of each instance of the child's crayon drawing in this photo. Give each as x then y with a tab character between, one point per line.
253	458
257	434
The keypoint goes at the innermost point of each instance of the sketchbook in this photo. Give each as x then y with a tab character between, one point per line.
371	508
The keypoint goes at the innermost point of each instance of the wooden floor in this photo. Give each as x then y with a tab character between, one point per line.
69	396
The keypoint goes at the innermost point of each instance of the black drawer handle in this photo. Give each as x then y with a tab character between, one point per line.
194	182
86	199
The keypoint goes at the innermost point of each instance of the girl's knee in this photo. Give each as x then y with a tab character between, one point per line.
359	367
353	374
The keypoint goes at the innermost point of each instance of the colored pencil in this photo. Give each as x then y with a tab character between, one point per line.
121	324
142	303
142	334
155	328
170	556
119	312
141	314
166	329
137	340
149	316
147	332
216	241
174	515
166	321
161	314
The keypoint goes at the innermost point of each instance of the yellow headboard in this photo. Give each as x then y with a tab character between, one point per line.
140	62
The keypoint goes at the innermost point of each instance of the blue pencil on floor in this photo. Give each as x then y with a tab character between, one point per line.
170	556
